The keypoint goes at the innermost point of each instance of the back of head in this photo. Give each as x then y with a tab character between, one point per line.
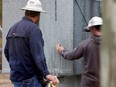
31	13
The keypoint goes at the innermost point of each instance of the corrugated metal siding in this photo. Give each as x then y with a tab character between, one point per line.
81	17
63	23
57	27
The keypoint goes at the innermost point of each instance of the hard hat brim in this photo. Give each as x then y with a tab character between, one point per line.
30	9
86	29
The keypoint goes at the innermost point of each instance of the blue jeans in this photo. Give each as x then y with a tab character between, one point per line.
32	82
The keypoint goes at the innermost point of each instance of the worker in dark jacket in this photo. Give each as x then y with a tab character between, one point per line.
89	50
24	50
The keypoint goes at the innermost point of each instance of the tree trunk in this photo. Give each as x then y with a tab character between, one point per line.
108	48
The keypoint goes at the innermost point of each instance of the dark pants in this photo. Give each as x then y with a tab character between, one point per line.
32	82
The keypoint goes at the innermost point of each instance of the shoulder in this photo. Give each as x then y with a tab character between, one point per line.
88	44
85	42
30	26
34	30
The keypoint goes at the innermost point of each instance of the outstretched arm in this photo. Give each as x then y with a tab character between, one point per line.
70	55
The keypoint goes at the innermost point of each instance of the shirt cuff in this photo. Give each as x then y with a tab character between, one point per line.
62	53
45	73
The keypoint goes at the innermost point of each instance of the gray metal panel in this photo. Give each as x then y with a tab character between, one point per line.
57	27
11	14
81	10
79	34
71	81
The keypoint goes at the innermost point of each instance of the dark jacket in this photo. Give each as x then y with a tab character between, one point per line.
24	51
89	50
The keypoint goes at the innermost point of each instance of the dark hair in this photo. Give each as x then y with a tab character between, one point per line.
98	27
31	13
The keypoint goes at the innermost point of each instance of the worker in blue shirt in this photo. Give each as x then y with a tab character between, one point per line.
24	50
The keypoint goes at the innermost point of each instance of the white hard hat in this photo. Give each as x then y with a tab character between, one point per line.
33	5
93	22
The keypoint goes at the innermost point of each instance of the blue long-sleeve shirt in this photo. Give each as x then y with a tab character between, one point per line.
24	50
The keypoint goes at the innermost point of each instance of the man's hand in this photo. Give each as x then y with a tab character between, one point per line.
59	48
54	80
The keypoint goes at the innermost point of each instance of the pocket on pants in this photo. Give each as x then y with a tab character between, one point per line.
28	83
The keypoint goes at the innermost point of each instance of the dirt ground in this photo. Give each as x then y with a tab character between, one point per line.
4	81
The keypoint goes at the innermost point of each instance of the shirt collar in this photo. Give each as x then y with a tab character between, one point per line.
96	39
26	18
